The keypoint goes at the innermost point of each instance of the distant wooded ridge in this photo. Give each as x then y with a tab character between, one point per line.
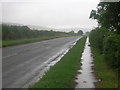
13	32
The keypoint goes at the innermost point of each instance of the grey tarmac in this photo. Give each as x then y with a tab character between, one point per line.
21	63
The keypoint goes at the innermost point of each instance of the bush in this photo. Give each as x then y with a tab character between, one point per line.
107	43
112	49
96	38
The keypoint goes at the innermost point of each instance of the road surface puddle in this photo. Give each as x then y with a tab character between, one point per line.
85	77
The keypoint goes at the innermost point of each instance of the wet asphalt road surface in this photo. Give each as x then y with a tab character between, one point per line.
21	63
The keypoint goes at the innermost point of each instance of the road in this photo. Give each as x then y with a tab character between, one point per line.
21	63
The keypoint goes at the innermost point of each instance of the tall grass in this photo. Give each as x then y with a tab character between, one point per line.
108	76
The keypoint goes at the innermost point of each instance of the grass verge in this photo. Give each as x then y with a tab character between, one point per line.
62	74
108	76
28	40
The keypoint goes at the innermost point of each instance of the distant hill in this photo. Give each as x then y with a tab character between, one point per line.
17	24
38	27
30	26
75	29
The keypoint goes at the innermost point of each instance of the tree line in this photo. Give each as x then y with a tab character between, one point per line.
12	32
106	37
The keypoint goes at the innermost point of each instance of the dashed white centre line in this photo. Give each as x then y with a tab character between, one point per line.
10	55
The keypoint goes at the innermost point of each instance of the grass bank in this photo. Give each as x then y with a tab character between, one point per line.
62	74
108	76
6	43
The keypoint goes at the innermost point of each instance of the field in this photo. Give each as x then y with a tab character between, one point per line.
27	40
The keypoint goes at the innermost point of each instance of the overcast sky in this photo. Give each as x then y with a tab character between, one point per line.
50	13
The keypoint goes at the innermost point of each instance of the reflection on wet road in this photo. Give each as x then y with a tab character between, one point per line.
85	77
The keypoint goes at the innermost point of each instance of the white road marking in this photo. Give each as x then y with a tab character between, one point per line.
10	55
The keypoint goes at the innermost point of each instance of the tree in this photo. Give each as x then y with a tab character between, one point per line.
104	38
12	32
72	33
87	33
80	32
107	15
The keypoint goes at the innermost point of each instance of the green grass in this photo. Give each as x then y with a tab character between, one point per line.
62	74
108	76
28	40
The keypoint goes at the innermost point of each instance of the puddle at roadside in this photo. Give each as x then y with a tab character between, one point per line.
85	77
